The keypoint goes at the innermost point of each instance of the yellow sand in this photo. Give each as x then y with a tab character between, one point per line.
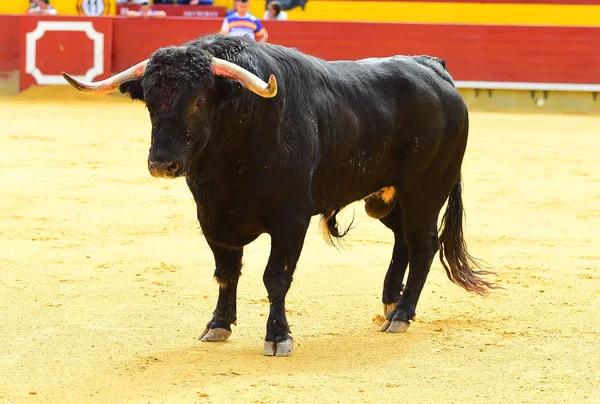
105	280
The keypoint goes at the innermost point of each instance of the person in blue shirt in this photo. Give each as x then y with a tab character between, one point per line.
242	23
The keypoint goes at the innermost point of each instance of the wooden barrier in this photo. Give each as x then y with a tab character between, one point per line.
9	43
478	56
51	45
137	39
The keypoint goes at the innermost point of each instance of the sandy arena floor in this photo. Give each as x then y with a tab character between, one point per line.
105	280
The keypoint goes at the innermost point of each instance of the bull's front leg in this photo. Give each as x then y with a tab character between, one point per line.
286	245
227	273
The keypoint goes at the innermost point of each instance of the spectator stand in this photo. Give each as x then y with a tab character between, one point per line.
179	10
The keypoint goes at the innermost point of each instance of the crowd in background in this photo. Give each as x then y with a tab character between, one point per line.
181	2
146	11
41	7
274	9
238	21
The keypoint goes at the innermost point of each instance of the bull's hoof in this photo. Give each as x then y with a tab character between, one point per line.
398	326
388	308
284	348
214	335
395	326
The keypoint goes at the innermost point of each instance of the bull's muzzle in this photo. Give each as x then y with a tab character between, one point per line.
164	168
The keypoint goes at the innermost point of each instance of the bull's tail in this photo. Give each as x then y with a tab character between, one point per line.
330	228
460	266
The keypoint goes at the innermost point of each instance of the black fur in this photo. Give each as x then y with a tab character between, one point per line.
335	133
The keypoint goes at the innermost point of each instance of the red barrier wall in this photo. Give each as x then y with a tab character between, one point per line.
9	42
137	39
513	54
473	52
51	45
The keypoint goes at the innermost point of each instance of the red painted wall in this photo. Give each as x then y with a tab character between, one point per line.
136	39
71	51
9	42
473	52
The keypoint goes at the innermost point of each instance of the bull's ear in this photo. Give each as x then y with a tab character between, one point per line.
134	88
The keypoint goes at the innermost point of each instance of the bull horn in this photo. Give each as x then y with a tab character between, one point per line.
109	85
230	70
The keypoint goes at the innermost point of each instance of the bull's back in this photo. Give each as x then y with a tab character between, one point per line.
368	116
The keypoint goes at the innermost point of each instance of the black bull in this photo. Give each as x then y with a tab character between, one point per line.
391	131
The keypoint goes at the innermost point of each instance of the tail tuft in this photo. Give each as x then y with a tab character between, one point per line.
460	266
330	228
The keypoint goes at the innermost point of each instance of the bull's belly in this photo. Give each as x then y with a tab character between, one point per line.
356	178
230	239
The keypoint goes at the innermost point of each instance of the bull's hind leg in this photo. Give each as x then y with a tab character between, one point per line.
420	235
287	240
392	286
227	273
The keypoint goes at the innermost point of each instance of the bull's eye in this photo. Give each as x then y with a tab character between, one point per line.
200	102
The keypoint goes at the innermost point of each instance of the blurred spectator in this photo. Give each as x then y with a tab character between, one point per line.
146	12
41	7
200	2
242	23
275	12
291	4
186	2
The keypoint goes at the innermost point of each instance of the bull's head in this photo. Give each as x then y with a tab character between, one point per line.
181	89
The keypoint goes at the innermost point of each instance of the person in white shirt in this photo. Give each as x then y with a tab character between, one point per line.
242	23
41	7
275	12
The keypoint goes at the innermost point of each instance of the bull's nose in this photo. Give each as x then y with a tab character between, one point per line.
168	169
